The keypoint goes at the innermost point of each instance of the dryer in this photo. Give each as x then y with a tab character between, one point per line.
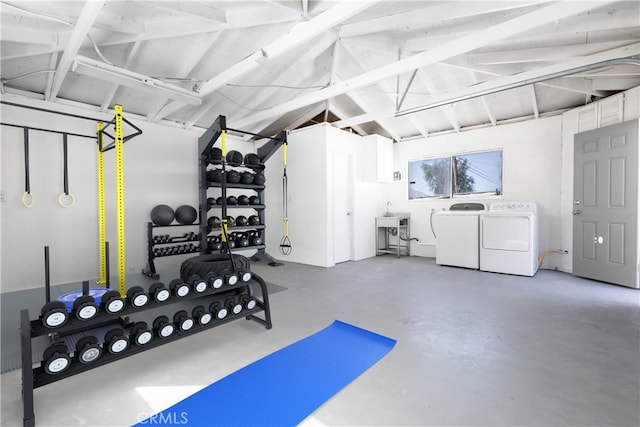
509	238
457	235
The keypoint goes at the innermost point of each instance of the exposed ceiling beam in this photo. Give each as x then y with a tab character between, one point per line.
465	44
306	116
534	101
88	15
530	77
341	114
131	53
192	9
300	33
291	74
448	113
485	104
49	81
419	19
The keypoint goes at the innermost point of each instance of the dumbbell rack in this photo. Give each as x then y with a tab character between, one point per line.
150	269
33	378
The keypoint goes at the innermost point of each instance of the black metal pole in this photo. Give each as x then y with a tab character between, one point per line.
106	260
47	281
85	288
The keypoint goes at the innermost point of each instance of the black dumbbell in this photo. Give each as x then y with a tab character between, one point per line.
55	359
141	333
136	297
88	350
112	302
232	305
248	302
163	327
214	280
201	315
218	311
230	277
54	314
198	284
85	308
115	340
179	288
159	292
182	320
245	275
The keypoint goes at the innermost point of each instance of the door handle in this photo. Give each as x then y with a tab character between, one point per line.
575	212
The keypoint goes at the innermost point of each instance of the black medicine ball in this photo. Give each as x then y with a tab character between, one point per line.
246	178
241	220
254	200
215	156
259	179
233	177
186	214
243	200
232	200
162	215
234	158
251	159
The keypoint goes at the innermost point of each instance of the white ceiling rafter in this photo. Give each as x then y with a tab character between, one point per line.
534	101
342	115
448	112
192	9
465	44
299	34
131	53
290	75
388	92
89	14
485	104
48	85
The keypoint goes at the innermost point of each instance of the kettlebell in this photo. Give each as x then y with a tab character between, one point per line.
215	244
254	220
242	240
231	241
256	238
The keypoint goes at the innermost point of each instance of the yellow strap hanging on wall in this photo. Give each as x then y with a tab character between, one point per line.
119	142
223	142
102	223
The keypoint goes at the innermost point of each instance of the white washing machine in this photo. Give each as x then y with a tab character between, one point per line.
457	235
509	238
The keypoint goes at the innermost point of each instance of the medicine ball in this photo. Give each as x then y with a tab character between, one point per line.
215	156
232	200
254	200
251	159
215	175
254	220
241	221
259	179
246	178
210	202
219	200
231	221
243	200
162	215
186	214
213	222
234	158
233	177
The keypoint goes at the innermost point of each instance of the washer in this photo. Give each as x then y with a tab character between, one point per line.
509	238
457	232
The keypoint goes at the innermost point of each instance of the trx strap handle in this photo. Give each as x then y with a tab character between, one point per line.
27	197
65	195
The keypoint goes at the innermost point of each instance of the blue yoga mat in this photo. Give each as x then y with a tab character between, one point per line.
283	388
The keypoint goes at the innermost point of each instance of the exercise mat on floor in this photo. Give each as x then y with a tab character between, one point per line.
285	387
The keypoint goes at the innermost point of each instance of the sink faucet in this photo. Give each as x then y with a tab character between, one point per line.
387	209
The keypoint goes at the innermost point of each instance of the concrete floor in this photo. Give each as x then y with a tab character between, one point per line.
474	348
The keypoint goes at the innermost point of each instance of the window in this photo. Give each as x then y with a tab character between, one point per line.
465	174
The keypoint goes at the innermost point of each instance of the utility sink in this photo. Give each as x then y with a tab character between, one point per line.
393	219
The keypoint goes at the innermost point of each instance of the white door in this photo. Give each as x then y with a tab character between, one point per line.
605	211
342	203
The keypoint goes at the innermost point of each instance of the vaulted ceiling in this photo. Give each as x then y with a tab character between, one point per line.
402	69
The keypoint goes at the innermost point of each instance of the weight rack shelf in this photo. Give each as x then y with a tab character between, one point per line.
37	377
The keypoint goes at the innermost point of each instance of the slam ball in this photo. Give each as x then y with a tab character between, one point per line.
186	214
162	215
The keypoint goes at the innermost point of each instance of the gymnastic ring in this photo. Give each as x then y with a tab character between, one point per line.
60	200
25	195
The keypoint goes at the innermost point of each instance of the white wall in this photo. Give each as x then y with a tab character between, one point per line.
531	172
160	166
310	174
631	111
